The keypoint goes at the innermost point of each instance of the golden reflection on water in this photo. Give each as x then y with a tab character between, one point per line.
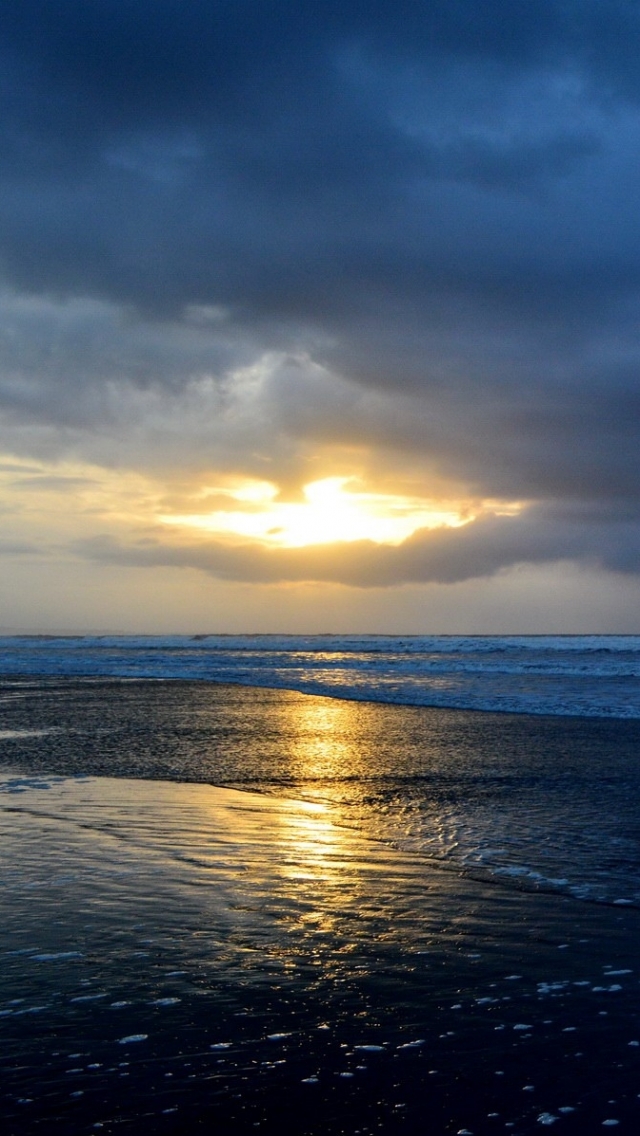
322	738
314	844
321	863
321	747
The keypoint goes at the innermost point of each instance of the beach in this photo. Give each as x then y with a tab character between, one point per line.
192	956
319	568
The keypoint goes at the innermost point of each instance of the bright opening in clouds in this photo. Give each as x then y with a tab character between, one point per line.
329	512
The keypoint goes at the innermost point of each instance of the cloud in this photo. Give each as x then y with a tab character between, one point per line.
294	161
481	548
18	548
285	239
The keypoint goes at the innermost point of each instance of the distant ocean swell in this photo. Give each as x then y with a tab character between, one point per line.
586	676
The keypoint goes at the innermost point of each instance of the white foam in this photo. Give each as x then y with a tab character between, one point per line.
9	734
57	955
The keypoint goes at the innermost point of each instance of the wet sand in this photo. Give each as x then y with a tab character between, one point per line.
185	958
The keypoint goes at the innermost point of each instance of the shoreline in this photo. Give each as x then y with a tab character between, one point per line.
57	676
543	802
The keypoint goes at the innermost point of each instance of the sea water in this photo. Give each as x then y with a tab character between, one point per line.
584	675
544	801
401	914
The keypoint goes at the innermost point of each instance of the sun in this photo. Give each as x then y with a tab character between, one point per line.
330	512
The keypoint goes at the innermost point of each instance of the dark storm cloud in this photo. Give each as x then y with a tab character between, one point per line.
165	152
433	206
445	556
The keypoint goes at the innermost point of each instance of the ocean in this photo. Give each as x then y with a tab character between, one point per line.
576	675
328	884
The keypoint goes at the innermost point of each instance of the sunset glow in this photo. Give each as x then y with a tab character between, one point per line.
330	512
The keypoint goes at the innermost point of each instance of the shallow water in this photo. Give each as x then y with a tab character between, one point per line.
180	957
385	920
528	801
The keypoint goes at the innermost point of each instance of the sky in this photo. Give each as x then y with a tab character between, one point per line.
320	316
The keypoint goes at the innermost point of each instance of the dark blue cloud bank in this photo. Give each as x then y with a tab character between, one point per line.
424	217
